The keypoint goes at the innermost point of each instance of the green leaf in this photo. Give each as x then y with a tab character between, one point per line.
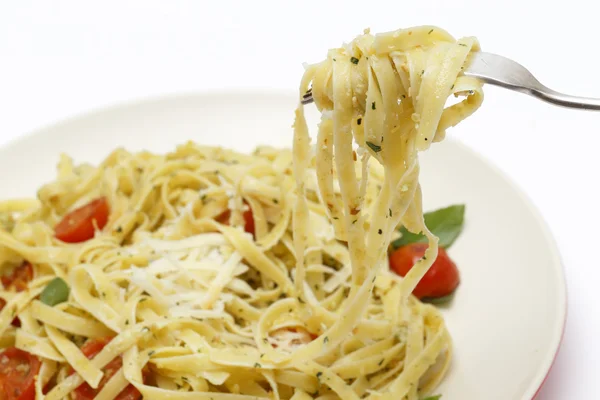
445	223
439	300
434	397
55	292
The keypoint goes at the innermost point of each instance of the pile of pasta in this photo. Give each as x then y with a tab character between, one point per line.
229	276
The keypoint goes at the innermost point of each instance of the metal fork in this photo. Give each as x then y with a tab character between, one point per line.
504	72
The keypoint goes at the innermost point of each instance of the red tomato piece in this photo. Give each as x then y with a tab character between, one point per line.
17	374
17	281
441	279
19	278
86	392
223	218
249	221
78	225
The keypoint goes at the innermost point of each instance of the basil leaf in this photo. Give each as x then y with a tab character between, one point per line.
445	223
55	292
434	397
439	300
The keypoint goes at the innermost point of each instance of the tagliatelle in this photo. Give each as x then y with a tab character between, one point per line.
304	306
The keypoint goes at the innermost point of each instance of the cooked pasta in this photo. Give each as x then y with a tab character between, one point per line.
205	273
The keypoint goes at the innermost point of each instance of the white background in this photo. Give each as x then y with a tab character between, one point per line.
61	58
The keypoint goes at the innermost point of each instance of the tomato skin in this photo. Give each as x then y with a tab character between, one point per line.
17	281
19	278
17	374
223	218
441	279
85	392
249	221
78	225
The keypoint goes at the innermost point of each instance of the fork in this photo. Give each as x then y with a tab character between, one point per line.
504	72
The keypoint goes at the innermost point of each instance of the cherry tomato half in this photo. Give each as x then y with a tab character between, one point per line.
86	392
78	225
441	279
17	374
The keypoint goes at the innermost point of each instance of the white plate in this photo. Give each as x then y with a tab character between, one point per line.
508	314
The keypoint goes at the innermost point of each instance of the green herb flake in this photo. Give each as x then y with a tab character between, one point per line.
55	292
438	300
390	211
275	201
379	231
319	374
434	397
430	32
445	223
257	365
359	121
372	105
325	339
354	60
374	147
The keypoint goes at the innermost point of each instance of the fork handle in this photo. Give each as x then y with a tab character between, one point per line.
560	99
504	72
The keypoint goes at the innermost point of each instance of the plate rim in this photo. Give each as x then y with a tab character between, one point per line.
558	332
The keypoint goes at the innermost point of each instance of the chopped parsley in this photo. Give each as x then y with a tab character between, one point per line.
434	397
359	121
354	60
372	105
374	147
